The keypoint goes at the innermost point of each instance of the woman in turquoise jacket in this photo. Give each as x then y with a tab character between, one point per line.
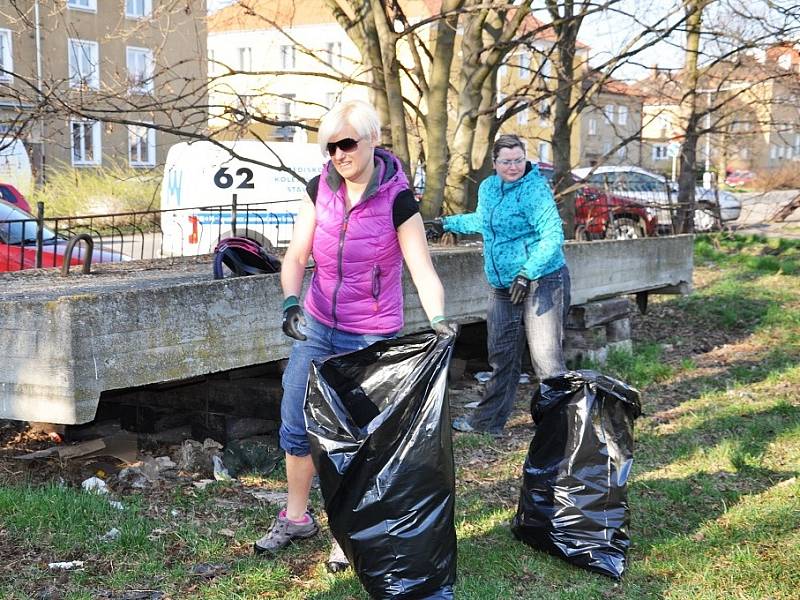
524	263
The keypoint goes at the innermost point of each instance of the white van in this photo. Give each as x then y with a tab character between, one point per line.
15	165
201	179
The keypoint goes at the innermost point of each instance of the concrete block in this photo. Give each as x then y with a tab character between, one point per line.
600	312
618	331
593	338
577	357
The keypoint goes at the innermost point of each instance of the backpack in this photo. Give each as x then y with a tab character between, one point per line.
243	256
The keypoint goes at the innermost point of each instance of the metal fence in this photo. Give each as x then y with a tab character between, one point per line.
613	210
652	208
43	241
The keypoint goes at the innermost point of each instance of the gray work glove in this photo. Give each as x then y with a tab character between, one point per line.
444	326
293	318
519	289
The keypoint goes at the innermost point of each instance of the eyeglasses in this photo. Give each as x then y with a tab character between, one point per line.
507	163
345	145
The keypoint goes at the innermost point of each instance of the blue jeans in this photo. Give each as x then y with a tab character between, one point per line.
541	319
323	341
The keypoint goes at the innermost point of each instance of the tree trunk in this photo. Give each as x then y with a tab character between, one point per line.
684	221
437	156
566	27
394	94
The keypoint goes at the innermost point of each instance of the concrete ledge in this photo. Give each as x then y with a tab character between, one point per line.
66	340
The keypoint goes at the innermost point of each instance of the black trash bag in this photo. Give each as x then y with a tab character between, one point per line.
379	425
574	499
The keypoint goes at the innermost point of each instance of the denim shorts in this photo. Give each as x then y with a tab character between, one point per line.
323	341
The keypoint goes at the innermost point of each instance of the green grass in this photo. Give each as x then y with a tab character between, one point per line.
74	192
714	494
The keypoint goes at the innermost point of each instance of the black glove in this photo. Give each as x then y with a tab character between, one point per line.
434	229
519	289
444	326
293	318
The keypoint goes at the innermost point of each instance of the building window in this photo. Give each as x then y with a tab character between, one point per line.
331	98
501	99
607	148
622	114
83	4
608	111
141	146
334	52
502	72
547	67
592	126
287	107
138	9
288	56
140	69
84	60
6	56
245	59
524	65
797	144
660	152
522	116
544	151
622	152
544	113
85	137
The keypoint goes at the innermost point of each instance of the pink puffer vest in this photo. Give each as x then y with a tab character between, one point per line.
357	282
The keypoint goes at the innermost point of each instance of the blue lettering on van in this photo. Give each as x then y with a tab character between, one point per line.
263	217
174	178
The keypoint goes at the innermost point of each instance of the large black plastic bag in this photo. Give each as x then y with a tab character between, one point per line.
379	426
574	499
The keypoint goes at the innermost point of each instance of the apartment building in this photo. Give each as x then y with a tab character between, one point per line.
278	65
101	83
275	66
751	107
606	131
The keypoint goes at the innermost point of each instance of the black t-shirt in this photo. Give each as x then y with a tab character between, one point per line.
405	205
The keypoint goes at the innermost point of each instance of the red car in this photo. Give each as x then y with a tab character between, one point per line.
12	195
18	243
602	216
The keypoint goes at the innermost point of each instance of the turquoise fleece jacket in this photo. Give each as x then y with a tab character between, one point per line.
521	228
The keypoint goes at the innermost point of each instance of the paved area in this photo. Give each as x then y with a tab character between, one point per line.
759	207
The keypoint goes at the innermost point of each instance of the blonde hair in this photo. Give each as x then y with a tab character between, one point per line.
360	115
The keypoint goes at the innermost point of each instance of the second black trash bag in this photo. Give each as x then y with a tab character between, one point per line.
574	501
379	426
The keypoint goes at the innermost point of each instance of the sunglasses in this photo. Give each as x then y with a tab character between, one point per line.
345	145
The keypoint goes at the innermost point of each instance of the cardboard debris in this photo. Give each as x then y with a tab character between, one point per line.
123	445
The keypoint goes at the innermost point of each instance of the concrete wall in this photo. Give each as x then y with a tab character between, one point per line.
66	340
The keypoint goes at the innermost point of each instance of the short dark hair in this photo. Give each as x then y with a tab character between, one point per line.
507	140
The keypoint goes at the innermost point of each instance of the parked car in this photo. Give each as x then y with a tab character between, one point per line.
660	195
740	178
11	194
18	243
607	216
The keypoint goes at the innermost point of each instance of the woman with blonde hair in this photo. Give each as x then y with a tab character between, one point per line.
360	222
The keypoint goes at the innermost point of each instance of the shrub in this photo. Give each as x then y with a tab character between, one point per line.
71	192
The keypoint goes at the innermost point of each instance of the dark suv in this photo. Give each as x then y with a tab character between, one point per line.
606	216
